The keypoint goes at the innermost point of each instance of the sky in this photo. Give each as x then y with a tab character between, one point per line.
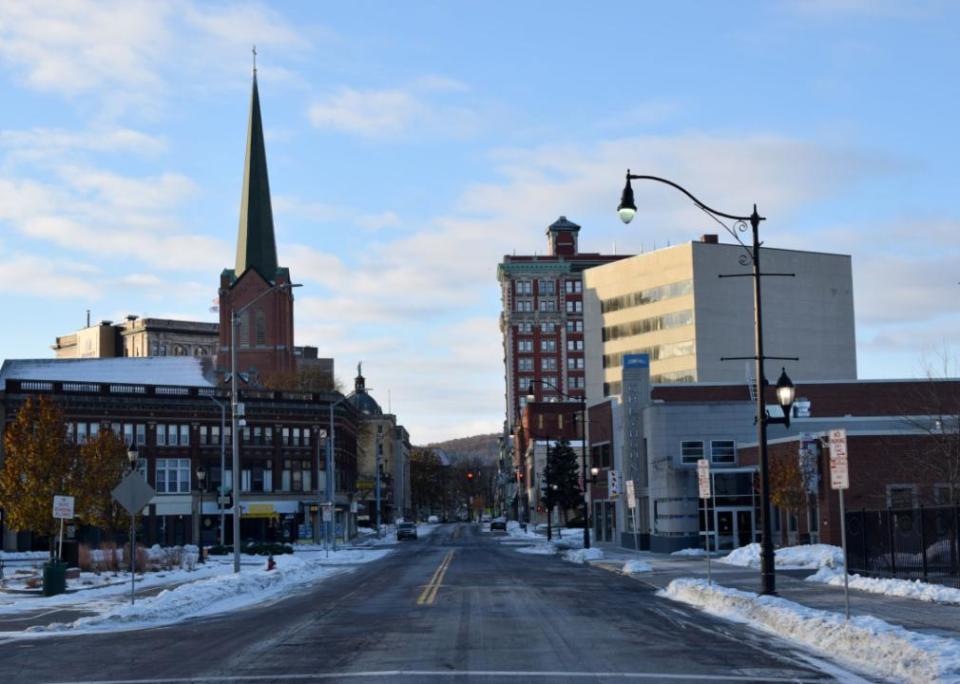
412	145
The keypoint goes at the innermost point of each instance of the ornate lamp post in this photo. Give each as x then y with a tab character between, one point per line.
627	210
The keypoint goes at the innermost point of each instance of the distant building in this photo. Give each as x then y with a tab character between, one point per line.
542	318
672	305
139	337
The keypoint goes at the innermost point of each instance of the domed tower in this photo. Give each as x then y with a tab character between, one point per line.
360	398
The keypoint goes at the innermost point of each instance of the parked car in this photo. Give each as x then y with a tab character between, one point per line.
433	519
498	524
406	530
485	518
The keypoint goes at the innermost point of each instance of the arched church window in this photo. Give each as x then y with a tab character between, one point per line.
261	328
243	330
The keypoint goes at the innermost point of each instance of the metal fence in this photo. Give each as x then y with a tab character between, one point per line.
919	543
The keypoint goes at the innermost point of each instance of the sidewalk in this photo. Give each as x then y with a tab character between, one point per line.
917	616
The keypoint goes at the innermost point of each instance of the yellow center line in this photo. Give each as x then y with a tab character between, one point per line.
429	594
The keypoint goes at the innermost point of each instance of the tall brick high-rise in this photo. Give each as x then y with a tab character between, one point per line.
264	334
542	318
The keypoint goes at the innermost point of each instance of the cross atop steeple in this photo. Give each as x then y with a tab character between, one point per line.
254	61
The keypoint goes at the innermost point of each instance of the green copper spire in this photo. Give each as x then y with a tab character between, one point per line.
256	246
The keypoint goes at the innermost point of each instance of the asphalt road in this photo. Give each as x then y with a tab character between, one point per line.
455	607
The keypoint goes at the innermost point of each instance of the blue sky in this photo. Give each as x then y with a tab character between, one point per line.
412	145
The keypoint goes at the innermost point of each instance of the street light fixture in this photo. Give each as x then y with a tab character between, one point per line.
531	396
201	476
627	209
234	437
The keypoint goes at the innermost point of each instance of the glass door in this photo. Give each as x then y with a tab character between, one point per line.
745	532
725	529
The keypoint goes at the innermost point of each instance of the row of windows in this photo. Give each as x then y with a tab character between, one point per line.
662	351
613	388
575	363
173	476
721	451
646	325
547	306
81	433
527	328
178	434
641	297
548	287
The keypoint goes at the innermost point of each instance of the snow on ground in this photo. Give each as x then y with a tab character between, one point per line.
635	566
216	593
694	553
914	589
863	642
810	556
538	549
581	556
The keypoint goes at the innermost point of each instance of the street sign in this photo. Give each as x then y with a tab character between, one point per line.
839	475
631	495
133	493
63	507
613	484
703	477
225	501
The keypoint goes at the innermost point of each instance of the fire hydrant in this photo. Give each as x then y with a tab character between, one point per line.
271	564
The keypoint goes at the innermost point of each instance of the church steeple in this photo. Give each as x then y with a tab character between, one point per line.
256	245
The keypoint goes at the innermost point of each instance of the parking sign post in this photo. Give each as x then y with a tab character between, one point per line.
703	481
840	480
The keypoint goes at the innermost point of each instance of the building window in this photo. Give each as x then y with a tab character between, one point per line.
260	328
548	345
574	287
524	287
173	475
524	346
574	326
901	497
574	306
723	451
548	305
172	435
548	328
691	452
575	345
525	328
524	305
575	363
548	364
295	476
668	321
548	288
525	364
575	382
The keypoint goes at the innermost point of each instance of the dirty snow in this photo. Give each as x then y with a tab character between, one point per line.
581	556
635	566
696	553
914	589
809	556
864	642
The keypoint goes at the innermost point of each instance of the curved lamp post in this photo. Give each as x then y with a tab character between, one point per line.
583	448
785	391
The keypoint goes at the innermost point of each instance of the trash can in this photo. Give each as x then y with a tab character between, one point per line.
54	578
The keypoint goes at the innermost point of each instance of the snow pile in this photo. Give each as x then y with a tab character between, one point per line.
581	556
635	566
864	642
538	549
694	553
914	589
222	593
810	556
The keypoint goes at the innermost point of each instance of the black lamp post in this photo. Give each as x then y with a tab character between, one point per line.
201	476
627	210
132	457
583	449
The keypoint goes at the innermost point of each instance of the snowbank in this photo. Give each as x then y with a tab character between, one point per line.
635	566
581	556
538	549
810	556
914	589
695	553
863	642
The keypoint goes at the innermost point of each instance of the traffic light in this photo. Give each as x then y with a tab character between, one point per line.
470	476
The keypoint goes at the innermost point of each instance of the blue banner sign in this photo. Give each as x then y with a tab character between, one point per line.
636	360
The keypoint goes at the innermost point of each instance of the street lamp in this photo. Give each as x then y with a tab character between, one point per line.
201	476
583	448
132	457
627	210
223	466
234	437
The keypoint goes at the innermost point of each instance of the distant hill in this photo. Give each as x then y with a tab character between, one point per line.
482	447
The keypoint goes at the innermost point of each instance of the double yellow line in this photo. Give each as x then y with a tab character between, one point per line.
429	594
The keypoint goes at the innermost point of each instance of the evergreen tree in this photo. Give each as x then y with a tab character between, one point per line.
562	470
38	464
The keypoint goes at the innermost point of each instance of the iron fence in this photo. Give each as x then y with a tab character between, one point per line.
919	543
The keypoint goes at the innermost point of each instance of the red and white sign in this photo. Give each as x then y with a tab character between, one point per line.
63	507
839	475
703	477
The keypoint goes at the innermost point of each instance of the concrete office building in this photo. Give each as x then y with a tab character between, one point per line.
672	305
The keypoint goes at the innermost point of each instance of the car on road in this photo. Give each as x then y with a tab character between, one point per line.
433	519
498	524
485	518
406	530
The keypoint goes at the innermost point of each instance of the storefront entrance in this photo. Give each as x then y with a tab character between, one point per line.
734	527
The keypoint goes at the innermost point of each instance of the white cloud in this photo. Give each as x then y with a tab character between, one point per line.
35	276
396	112
44	143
